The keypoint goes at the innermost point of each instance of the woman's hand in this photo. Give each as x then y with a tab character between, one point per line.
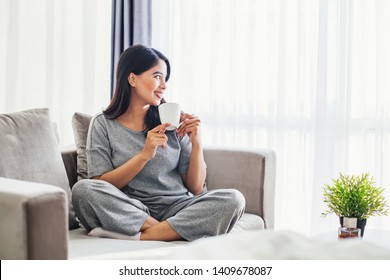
196	172
155	137
190	125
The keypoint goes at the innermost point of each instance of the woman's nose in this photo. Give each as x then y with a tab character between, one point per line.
163	84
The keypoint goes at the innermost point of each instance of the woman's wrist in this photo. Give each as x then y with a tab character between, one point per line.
196	144
143	156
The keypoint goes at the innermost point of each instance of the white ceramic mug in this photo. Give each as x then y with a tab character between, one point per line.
170	113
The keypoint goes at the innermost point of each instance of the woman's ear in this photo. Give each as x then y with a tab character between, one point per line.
132	79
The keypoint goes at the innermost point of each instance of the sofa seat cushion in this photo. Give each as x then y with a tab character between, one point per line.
248	222
83	246
30	152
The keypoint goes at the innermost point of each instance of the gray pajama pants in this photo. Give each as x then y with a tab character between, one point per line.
100	204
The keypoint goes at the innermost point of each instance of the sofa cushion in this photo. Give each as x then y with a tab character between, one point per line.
117	246
85	247
80	124
30	152
248	222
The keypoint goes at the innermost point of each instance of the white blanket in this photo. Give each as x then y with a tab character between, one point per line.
249	245
283	245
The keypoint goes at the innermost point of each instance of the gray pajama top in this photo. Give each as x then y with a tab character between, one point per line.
159	184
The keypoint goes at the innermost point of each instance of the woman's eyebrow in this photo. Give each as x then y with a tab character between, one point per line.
159	73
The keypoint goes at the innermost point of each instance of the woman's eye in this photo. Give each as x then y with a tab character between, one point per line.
158	77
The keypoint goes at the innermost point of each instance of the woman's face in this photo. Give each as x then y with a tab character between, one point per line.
150	85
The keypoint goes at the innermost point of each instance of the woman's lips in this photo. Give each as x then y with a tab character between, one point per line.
159	95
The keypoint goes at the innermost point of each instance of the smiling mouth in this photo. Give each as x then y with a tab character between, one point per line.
159	95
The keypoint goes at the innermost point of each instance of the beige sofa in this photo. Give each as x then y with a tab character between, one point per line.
36	219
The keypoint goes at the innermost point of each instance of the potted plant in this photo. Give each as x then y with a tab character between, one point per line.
355	197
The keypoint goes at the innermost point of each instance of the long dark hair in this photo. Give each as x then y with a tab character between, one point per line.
135	59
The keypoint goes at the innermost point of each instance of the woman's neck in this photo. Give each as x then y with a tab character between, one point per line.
134	117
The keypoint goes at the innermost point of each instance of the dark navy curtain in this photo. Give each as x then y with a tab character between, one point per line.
131	24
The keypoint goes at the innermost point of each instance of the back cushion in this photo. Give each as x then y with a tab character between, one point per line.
80	124
29	151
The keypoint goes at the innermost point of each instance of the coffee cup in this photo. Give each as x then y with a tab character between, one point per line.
170	113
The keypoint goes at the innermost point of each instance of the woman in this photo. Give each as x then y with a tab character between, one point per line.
147	182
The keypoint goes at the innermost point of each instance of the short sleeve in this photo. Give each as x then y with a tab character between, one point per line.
98	148
185	152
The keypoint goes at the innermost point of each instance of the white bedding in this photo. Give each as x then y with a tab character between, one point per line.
283	245
249	245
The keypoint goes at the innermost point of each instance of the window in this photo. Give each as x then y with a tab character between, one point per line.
55	54
304	78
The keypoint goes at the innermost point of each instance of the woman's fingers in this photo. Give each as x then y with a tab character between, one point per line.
160	128
185	116
188	125
159	142
156	137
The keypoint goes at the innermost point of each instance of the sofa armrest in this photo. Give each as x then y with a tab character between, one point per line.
33	221
69	157
252	172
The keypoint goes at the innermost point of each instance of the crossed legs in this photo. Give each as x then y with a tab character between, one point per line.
99	204
155	230
93	203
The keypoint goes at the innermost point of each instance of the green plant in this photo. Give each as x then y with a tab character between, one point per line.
355	196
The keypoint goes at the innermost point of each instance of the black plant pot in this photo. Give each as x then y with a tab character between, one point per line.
360	224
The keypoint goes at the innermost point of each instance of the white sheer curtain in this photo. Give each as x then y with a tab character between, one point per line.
55	54
306	78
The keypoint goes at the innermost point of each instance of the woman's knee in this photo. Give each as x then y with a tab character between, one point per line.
232	199
235	199
80	189
84	188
